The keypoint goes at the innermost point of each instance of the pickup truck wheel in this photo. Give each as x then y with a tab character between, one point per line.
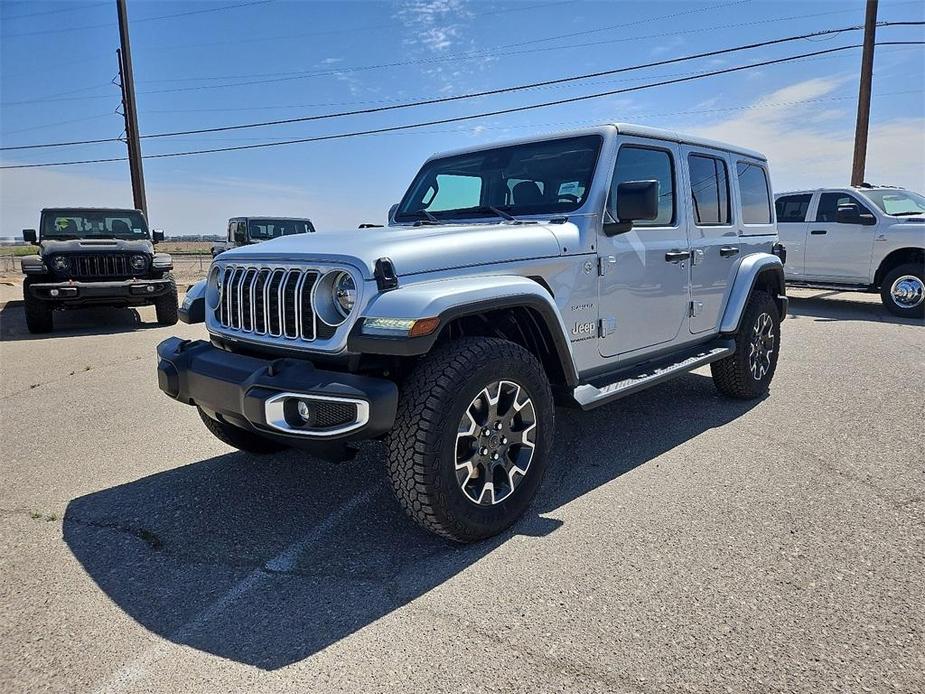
166	305
38	312
746	374
241	439
471	437
903	291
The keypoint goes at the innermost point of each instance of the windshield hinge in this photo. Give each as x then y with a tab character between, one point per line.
605	261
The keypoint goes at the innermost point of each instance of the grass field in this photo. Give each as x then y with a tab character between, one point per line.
172	247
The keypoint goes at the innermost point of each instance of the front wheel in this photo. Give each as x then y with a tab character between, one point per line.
746	374
903	291
471	437
166	306
38	313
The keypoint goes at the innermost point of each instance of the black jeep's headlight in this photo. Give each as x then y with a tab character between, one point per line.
345	293
139	262
60	263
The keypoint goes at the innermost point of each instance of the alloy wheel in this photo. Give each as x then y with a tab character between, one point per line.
495	443
761	346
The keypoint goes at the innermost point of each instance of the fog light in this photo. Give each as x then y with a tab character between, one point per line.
304	411
54	292
150	288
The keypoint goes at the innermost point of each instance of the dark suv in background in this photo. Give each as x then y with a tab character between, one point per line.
244	231
95	257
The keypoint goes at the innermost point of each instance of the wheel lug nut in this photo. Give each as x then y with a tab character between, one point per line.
495	456
498	426
486	431
504	439
483	451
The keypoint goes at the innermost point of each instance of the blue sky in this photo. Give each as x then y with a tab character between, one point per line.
304	58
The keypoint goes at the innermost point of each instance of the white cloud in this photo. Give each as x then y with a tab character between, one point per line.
436	24
810	145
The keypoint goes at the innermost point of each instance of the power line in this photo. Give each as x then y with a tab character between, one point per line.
137	21
461	97
471	55
74	7
457	119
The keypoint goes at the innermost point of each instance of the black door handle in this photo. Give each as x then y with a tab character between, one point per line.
677	256
818	232
727	251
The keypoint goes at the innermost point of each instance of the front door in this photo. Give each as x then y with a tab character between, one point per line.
838	252
644	271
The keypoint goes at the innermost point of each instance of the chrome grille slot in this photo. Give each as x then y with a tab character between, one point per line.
268	301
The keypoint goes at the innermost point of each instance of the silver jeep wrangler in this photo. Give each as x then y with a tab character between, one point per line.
571	269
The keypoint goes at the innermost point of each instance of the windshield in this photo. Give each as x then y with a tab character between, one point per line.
94	224
897	202
263	229
549	177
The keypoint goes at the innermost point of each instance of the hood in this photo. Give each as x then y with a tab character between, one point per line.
70	246
419	249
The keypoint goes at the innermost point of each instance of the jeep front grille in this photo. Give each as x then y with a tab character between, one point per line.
270	301
108	265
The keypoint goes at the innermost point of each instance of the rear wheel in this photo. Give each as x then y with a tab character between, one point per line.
166	305
239	438
38	312
747	373
903	291
471	437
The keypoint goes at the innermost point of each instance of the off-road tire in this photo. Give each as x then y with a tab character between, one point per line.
422	444
886	296
243	440
167	305
733	375
38	313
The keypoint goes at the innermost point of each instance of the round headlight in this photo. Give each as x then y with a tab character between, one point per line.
60	263
138	262
345	293
214	288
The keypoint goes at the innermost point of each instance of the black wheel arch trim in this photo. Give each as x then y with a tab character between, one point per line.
416	346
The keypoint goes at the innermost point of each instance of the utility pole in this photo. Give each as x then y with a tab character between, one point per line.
867	72
127	82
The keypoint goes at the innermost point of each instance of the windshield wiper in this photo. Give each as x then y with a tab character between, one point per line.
507	216
901	214
430	218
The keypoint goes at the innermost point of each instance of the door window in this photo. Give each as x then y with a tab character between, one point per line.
645	164
755	193
793	208
709	190
830	202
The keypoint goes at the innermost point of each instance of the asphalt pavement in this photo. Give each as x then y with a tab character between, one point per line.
681	542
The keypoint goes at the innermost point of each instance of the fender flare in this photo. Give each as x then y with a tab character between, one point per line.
450	299
751	267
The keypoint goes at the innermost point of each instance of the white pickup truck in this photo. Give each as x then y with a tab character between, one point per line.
868	238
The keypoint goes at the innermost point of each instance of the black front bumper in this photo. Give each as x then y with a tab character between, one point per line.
122	292
236	388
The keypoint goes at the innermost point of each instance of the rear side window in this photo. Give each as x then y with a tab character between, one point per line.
755	193
644	164
709	190
830	202
792	208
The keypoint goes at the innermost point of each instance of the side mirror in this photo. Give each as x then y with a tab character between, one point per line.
29	236
848	214
392	211
157	235
636	200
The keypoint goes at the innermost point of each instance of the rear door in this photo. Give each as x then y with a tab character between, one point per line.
713	233
792	228
644	294
839	252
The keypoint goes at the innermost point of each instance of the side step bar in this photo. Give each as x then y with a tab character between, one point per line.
642	376
829	287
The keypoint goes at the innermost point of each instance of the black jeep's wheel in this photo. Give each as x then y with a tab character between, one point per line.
747	373
38	312
239	438
903	291
473	430
166	305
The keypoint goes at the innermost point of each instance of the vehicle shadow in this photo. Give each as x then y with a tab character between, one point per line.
70	323
839	306
267	561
